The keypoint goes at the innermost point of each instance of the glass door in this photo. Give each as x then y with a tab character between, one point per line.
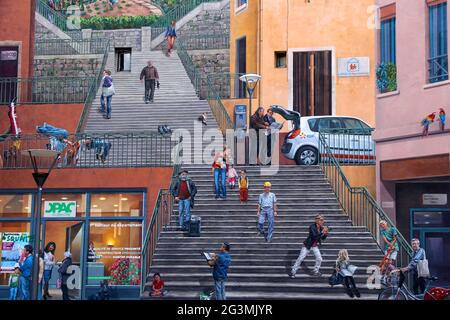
68	237
437	248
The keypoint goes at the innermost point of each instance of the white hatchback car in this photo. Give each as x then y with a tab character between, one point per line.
348	138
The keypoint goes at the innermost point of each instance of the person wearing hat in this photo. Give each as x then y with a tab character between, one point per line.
64	275
184	191
317	233
267	210
220	262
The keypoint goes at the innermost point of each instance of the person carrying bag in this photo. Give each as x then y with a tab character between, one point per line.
107	92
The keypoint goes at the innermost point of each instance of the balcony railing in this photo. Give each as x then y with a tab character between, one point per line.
438	69
45	90
353	147
111	150
71	47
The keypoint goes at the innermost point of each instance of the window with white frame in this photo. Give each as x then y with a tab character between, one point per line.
240	5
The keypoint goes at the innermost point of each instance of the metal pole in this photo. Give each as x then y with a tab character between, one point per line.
36	245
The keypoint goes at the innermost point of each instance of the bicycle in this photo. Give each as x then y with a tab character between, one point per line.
401	292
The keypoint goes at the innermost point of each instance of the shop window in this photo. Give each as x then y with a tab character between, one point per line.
280	59
432	219
15	205
13	237
63	205
114	252
117	204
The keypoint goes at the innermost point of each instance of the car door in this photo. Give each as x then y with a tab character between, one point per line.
358	139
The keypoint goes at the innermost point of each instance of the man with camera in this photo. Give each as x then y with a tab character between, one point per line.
317	233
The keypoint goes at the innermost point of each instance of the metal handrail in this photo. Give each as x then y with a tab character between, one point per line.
93	90
362	209
160	216
217	107
176	14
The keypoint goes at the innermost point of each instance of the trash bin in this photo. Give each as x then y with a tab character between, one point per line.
195	226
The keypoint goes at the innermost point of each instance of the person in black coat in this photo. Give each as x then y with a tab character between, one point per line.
317	233
184	191
64	275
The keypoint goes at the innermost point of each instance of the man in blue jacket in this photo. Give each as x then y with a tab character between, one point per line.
26	268
419	283
221	262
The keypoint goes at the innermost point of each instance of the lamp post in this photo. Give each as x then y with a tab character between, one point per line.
251	81
40	178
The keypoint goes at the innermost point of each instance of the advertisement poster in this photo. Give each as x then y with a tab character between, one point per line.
12	244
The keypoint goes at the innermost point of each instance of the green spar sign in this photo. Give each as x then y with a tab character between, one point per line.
60	209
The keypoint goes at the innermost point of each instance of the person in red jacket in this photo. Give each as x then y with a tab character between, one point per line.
157	286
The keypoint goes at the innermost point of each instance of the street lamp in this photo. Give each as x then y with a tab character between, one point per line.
251	81
39	178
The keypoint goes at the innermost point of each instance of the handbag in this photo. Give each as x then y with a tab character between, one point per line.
422	268
335	279
109	91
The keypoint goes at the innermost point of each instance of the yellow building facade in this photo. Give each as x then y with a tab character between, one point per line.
286	39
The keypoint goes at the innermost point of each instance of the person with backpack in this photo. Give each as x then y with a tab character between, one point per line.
267	210
184	191
107	92
151	77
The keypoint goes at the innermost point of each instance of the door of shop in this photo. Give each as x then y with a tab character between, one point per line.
68	235
432	228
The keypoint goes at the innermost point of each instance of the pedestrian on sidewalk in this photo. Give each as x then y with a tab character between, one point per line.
151	77
267	210
317	233
184	191
220	262
219	170
171	35
107	92
243	186
347	270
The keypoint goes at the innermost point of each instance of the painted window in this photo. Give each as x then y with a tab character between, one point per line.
13	237
438	60
388	41
117	204
114	252
240	5
15	205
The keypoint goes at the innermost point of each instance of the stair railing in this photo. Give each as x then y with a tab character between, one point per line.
161	216
93	89
159	220
175	13
212	95
57	19
362	209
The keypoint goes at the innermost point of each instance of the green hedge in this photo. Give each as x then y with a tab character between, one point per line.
122	22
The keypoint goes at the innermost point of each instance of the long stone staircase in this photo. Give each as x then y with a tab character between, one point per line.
260	270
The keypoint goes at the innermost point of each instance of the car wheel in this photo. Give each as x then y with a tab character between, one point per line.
307	156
